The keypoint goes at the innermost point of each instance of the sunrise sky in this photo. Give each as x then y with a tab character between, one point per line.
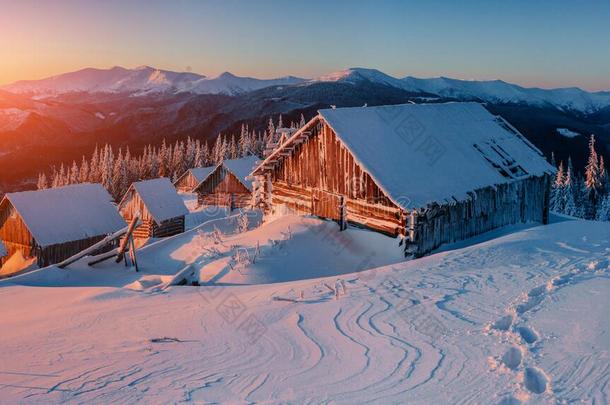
533	43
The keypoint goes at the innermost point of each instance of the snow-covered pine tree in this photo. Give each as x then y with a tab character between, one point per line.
302	121
42	183
233	152
218	154
83	171
603	176
106	167
270	131
592	180
603	210
557	200
190	152
94	167
177	165
73	176
205	155
571	192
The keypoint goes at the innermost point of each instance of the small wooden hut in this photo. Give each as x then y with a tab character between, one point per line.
192	177
54	224
428	173
227	184
158	206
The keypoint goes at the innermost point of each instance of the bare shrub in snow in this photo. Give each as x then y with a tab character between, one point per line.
243	223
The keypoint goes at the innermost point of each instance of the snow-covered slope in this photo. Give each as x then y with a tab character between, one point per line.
517	319
142	80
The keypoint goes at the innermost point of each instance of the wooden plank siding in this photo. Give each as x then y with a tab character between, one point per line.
521	201
222	188
134	205
16	237
319	172
187	182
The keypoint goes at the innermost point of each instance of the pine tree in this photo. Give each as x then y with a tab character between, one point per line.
603	176
94	167
592	170
42	182
592	181
74	173
270	132
302	121
233	154
219	152
603	211
571	190
83	172
558	189
205	155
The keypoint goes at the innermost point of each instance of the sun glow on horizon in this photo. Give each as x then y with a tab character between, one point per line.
560	47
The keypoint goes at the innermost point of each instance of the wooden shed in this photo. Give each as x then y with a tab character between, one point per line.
158	206
227	184
428	173
192	177
54	224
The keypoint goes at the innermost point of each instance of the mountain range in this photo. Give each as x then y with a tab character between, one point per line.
146	80
57	119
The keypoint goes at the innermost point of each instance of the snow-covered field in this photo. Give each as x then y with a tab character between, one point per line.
285	317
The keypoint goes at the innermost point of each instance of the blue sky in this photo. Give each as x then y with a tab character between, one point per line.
534	43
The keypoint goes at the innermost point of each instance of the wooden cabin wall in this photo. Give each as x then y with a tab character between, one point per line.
134	205
518	202
314	178
222	188
14	234
57	253
148	228
187	183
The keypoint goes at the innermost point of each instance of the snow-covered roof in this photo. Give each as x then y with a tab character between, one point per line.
242	168
424	153
201	173
67	214
160	198
3	251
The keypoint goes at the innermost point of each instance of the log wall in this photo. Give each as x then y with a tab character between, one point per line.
222	188
186	183
521	201
321	174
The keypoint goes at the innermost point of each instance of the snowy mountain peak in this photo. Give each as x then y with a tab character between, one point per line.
144	80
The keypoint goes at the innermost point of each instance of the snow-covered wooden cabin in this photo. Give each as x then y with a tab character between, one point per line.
429	173
227	185
192	177
158	205
54	224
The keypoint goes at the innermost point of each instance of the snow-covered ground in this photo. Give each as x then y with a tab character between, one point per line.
284	318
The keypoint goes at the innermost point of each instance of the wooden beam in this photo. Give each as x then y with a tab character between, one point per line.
92	248
125	241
